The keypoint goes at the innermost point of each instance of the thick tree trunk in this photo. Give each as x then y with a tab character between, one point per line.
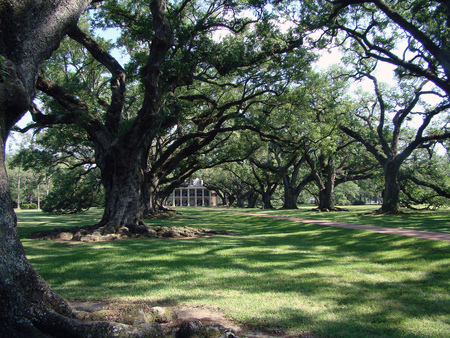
149	194
252	199
290	198
24	296
28	306
230	198
391	193
122	180
326	199
266	201
326	188
30	30
240	201
291	193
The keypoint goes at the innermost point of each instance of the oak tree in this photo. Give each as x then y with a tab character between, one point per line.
194	86
29	32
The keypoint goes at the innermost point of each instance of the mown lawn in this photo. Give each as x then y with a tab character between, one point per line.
272	274
429	220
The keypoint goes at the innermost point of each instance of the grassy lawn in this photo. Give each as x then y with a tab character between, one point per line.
272	274
438	220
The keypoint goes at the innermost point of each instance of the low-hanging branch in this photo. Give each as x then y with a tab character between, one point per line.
437	188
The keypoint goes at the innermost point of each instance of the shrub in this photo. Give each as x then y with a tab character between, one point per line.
27	206
359	202
74	191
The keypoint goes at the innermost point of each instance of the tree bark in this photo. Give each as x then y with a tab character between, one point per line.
28	306
290	190
291	193
24	296
290	198
252	199
29	32
325	180
391	193
326	198
240	201
266	195
149	196
122	180
266	202
229	199
326	190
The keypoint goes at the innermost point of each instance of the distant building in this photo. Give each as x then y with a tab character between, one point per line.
194	194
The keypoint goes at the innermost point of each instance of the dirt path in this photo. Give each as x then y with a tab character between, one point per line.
434	236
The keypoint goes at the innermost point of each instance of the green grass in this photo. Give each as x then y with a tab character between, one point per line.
438	220
272	274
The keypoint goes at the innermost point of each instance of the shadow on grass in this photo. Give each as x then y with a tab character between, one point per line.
36	220
427	220
273	274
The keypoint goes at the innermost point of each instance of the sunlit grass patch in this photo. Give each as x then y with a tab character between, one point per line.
427	220
271	274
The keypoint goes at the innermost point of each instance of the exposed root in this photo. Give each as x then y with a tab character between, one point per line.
166	214
329	209
96	233
138	323
382	212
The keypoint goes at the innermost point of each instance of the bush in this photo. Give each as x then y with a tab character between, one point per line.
359	202
27	206
74	191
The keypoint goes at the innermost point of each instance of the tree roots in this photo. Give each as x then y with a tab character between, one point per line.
329	209
96	233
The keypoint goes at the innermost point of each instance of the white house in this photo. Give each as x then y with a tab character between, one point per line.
194	194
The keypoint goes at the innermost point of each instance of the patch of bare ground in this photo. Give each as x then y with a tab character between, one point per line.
172	320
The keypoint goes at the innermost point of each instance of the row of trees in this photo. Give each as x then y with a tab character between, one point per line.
201	75
314	138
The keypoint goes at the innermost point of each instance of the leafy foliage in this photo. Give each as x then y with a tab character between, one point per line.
74	191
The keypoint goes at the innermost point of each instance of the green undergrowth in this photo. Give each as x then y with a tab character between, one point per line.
272	274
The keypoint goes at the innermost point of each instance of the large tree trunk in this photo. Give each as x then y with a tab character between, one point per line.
391	193
229	199
291	193
30	30
326	188
252	199
240	201
290	198
24	296
122	179
266	197
149	194
28	306
326	199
